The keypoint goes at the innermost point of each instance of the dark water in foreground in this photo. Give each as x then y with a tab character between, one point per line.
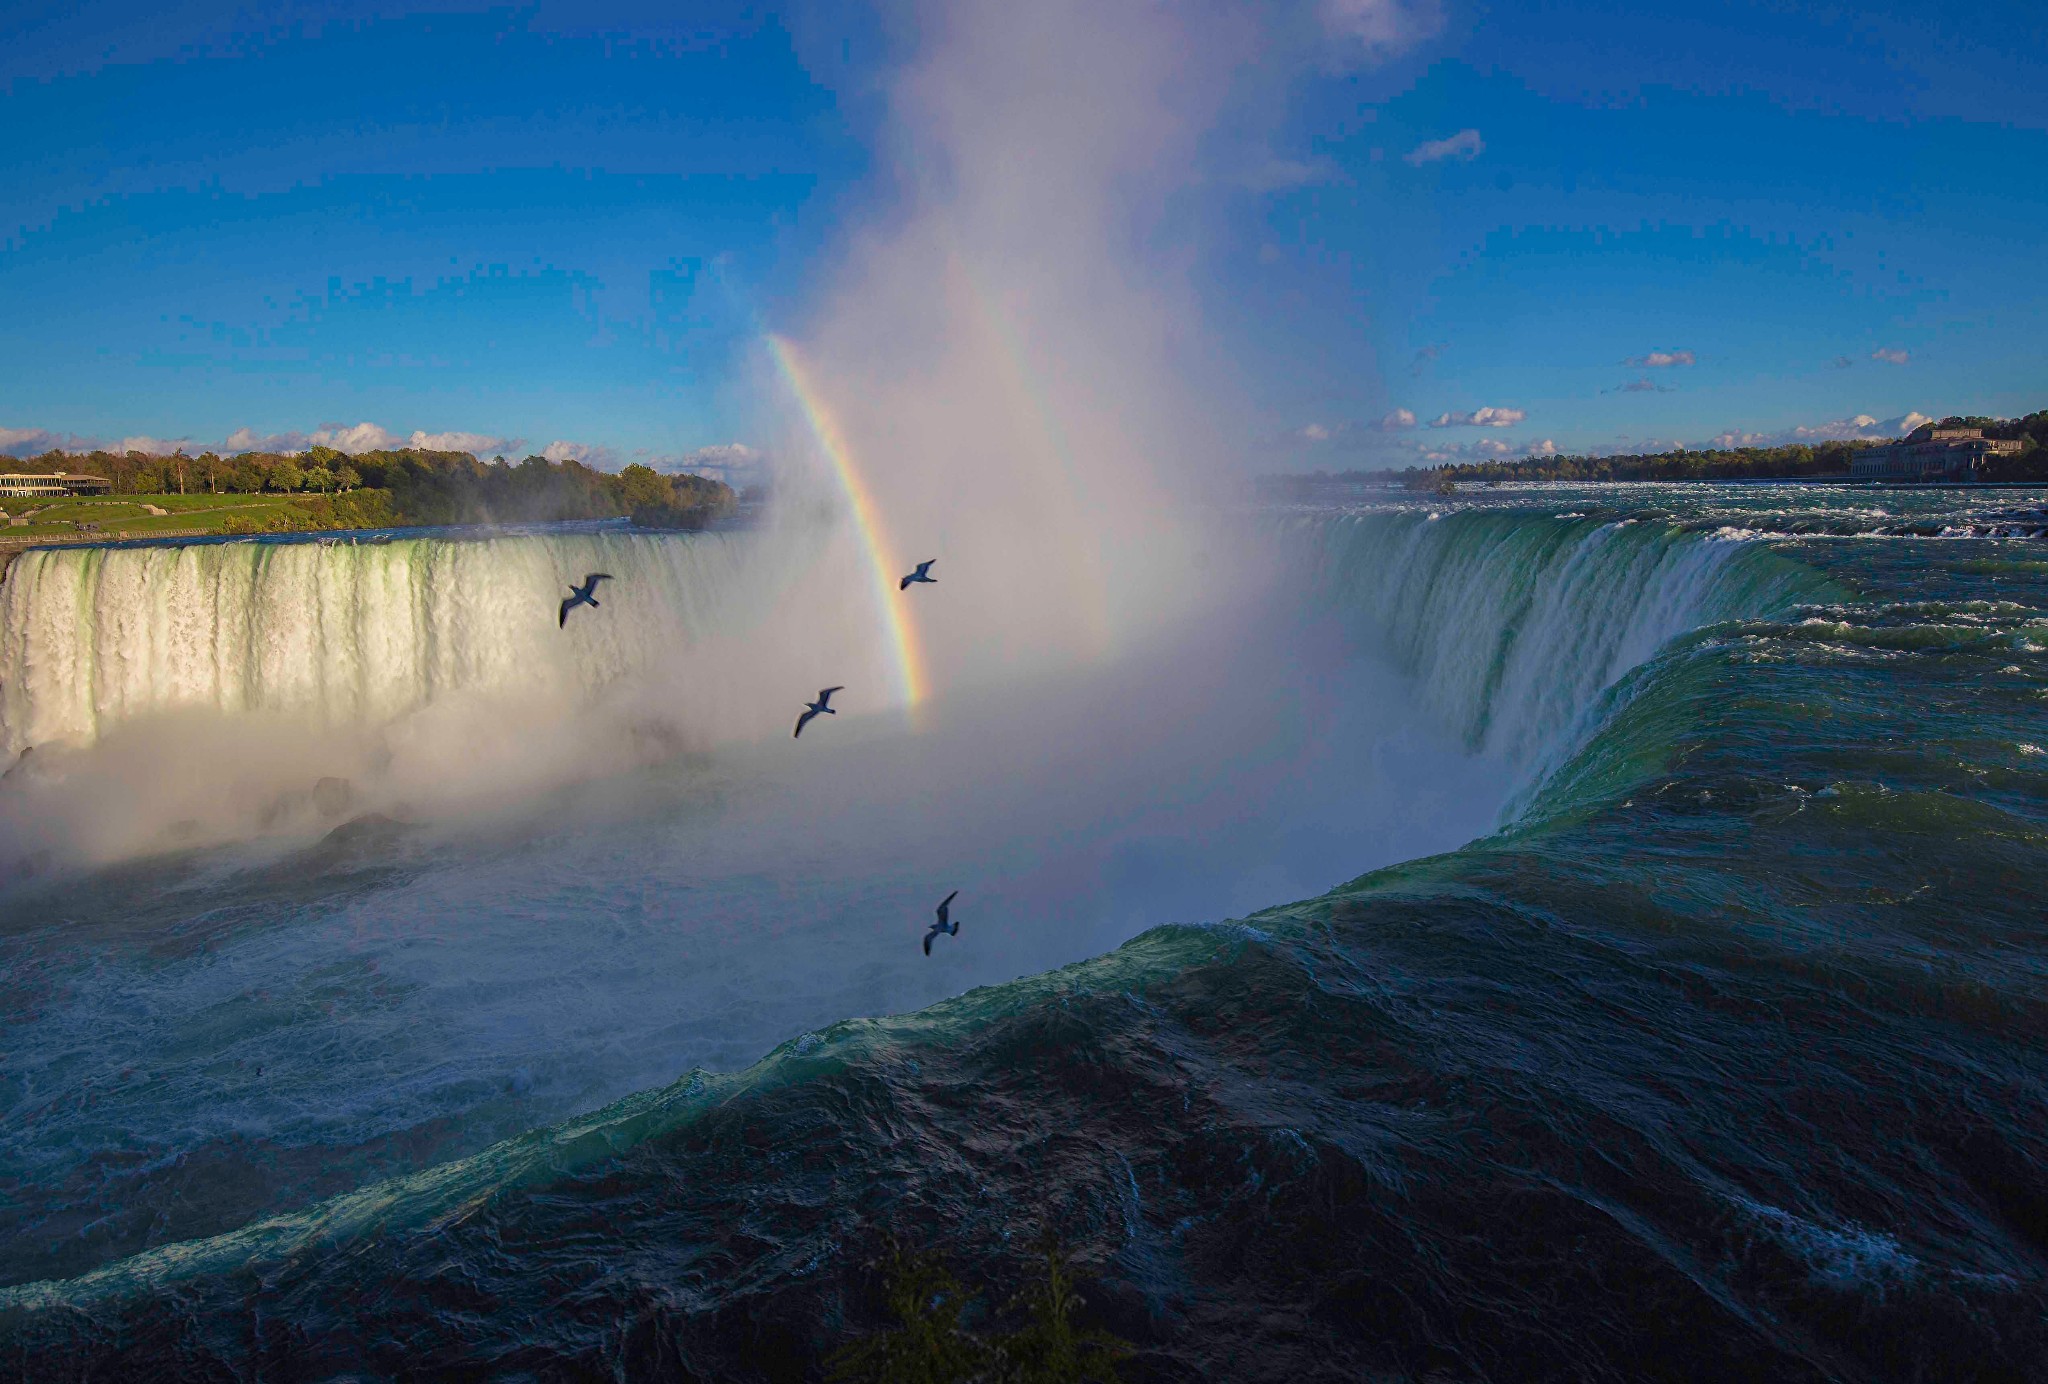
1727	1058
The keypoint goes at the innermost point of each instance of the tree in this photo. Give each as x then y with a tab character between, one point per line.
285	475
643	485
929	1346
1049	1348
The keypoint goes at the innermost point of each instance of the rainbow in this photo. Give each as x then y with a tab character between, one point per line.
885	563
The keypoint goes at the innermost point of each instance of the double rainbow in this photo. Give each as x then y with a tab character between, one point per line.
885	562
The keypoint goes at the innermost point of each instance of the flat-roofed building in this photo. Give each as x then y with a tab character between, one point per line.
1929	453
60	484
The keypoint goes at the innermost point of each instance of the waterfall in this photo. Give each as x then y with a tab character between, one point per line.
1518	626
337	633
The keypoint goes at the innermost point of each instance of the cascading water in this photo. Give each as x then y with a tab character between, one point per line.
176	696
1518	626
341	633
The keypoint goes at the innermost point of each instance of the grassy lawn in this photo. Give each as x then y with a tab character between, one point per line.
118	514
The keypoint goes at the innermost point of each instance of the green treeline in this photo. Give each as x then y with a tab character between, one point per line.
1754	463
1736	463
410	486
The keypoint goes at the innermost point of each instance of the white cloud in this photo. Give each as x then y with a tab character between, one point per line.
1314	432
1545	448
156	446
26	442
1465	146
726	456
1662	360
1400	418
366	437
1891	355
1861	427
1381	29
1645	385
588	453
363	437
249	440
1482	449
1480	418
476	443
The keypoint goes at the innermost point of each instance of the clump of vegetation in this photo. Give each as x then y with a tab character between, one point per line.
359	509
416	486
674	502
931	1343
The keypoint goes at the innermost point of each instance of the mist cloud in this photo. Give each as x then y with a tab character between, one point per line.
1371	31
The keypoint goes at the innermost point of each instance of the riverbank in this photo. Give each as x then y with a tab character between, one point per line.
11	547
104	518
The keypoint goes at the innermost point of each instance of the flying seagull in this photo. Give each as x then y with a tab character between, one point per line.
813	708
583	595
944	924
923	574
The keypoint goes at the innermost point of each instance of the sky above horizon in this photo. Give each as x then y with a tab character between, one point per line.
1581	225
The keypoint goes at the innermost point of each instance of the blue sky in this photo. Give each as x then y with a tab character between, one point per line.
1585	224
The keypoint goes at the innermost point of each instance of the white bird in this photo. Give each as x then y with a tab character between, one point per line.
582	595
944	924
812	709
923	574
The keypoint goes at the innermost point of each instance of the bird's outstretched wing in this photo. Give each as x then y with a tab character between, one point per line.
825	695
928	942
593	578
564	620
924	569
947	903
801	722
904	585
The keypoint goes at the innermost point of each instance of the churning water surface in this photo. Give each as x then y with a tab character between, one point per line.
1689	710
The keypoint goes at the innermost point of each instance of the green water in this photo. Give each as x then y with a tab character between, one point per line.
1725	1055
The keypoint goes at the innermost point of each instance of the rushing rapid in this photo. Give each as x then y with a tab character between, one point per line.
1704	1009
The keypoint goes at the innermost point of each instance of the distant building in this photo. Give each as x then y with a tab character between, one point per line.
17	484
1929	453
